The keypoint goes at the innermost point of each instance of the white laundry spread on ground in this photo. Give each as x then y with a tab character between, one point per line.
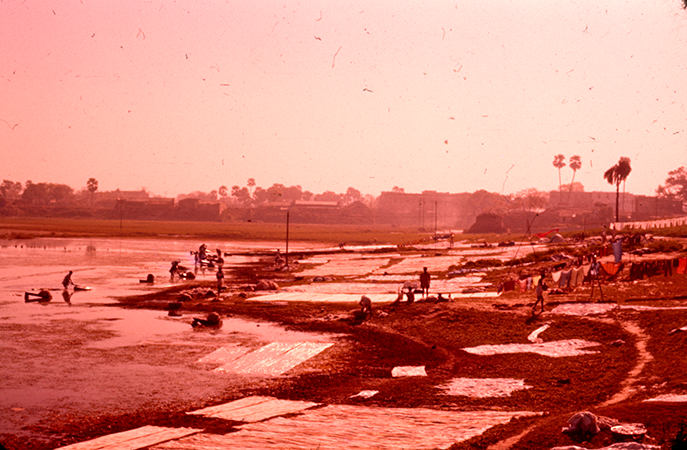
346	427
554	349
223	355
253	409
669	398
408	371
323	298
271	360
345	265
134	439
534	336
586	309
483	387
365	394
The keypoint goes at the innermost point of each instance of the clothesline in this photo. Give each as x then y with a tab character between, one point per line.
576	276
649	224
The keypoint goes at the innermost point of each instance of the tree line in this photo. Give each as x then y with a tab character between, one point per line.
250	195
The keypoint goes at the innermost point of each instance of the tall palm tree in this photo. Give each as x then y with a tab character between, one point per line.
559	163
92	186
616	175
575	165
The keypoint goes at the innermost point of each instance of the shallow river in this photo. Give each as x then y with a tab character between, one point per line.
78	356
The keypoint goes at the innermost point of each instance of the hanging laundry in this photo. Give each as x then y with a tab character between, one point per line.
668	268
507	286
556	276
564	280
577	276
522	283
637	271
611	269
535	280
618	250
682	266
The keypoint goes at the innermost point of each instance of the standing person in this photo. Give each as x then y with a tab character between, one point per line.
539	290
67	280
220	277
425	278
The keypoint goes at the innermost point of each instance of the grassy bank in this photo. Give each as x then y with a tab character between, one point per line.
27	228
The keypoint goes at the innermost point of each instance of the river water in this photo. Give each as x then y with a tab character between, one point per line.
77	356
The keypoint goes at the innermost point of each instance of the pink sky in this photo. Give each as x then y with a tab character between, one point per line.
178	96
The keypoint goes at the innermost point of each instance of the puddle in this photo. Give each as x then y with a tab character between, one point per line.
483	387
554	349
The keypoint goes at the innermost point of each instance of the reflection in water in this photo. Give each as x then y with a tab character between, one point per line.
67	296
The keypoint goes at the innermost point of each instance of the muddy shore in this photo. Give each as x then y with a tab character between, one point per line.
435	335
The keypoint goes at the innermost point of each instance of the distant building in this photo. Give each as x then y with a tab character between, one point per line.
307	211
424	210
108	199
637	207
198	210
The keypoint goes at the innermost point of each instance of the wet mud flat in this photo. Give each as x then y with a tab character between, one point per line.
438	337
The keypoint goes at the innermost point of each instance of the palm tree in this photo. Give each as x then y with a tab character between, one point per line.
92	186
559	163
575	165
616	175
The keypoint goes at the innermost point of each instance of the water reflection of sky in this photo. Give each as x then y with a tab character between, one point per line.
88	357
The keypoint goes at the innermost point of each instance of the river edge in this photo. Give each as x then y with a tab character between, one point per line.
433	335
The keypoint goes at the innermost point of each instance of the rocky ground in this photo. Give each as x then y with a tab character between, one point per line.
637	358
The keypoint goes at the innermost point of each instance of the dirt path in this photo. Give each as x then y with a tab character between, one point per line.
627	385
643	358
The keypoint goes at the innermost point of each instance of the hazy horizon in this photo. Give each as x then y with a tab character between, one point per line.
448	96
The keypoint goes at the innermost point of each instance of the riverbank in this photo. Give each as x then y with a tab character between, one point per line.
632	358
